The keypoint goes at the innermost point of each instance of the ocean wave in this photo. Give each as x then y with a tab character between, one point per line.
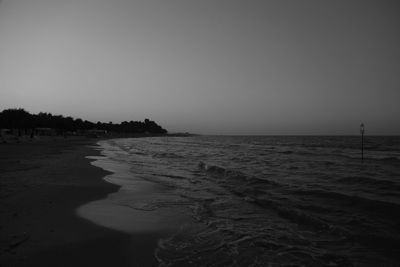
376	183
213	169
166	155
175	176
245	186
391	159
138	152
214	247
234	176
193	247
286	152
389	242
370	154
366	205
382	158
295	215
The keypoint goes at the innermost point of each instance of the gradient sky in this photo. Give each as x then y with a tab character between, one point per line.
207	66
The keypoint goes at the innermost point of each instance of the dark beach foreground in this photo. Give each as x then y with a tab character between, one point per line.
42	183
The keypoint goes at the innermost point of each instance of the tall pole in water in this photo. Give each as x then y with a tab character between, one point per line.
362	129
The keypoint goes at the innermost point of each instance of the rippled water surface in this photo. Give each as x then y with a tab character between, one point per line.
272	201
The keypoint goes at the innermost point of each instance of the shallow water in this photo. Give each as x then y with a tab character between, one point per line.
267	201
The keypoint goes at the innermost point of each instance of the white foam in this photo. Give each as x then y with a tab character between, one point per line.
128	209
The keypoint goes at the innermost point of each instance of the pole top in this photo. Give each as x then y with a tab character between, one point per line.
362	128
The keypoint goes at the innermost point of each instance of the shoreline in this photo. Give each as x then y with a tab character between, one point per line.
133	207
42	183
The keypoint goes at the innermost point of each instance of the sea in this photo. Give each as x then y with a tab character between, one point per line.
267	200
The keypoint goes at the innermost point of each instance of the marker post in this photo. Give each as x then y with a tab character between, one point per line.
362	129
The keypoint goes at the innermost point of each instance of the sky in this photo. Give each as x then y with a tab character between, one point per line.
207	66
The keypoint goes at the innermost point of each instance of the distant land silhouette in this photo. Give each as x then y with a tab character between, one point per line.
18	121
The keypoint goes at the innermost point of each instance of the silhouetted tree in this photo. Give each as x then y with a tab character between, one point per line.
19	119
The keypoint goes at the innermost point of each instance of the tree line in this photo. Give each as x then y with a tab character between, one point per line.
25	123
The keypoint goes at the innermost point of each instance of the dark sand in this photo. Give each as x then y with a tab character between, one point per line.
42	183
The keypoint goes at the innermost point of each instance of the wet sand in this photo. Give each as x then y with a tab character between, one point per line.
42	183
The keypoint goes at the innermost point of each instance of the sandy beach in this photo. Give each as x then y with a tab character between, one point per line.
42	183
